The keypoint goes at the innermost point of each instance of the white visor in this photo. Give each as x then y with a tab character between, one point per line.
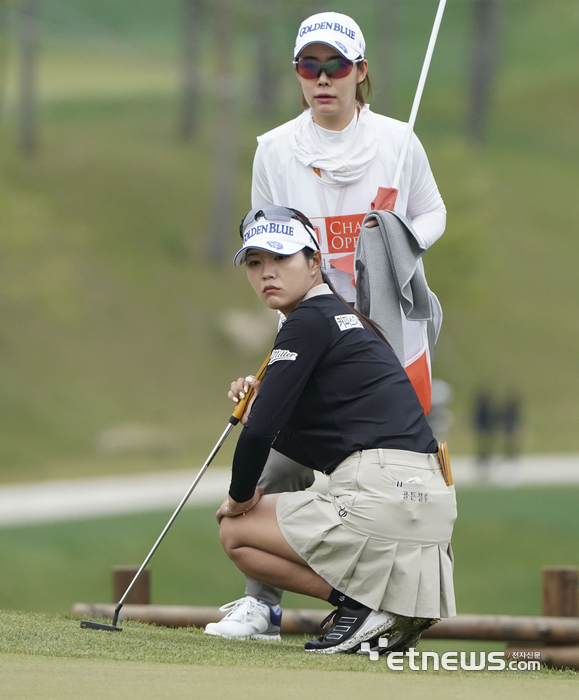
334	29
275	236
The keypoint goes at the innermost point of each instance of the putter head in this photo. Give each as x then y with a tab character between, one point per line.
87	624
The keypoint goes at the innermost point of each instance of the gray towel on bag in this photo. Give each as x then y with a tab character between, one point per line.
389	278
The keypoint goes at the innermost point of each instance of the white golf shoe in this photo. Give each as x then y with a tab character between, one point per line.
248	618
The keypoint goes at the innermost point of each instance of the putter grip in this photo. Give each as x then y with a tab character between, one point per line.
240	408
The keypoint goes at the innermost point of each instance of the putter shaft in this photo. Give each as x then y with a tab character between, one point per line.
172	519
233	420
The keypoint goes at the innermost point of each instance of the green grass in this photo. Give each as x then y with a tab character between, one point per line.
110	310
502	539
61	636
50	656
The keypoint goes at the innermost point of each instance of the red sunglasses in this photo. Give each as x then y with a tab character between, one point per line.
334	68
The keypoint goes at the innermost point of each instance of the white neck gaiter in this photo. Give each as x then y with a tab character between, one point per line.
343	155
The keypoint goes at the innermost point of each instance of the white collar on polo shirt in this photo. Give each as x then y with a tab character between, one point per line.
316	291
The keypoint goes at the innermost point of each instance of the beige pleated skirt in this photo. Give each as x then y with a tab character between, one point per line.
382	534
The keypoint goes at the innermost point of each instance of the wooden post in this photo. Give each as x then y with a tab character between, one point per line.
561	591
122	577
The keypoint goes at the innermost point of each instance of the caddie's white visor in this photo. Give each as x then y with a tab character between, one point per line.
280	237
334	29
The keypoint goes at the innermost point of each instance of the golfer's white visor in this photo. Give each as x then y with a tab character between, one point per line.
281	237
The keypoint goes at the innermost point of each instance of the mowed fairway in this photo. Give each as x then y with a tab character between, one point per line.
25	677
49	656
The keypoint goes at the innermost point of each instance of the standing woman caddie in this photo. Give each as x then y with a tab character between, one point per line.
335	162
336	399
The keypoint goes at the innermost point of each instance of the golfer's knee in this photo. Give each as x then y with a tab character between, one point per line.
228	536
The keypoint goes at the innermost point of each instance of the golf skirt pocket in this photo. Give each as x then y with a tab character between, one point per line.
382	534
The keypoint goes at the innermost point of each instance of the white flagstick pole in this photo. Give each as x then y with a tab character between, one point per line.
419	91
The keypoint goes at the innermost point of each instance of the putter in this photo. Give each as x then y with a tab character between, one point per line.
233	421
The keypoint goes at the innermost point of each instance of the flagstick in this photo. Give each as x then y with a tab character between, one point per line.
419	91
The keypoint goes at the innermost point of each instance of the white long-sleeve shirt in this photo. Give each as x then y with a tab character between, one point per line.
334	176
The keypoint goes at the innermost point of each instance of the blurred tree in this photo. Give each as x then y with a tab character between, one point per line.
484	62
225	149
27	98
193	16
387	14
3	50
266	68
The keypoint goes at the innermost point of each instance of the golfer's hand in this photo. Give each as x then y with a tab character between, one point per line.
239	391
232	509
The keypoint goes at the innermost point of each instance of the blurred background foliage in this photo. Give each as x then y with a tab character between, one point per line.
127	134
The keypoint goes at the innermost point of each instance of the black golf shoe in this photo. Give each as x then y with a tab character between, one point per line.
403	635
351	625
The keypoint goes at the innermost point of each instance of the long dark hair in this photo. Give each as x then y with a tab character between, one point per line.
368	322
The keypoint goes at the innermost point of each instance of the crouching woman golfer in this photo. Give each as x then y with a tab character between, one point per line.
336	399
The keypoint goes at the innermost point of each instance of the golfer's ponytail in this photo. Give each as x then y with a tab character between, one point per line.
368	322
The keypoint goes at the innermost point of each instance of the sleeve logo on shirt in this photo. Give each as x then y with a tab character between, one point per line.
277	355
348	321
